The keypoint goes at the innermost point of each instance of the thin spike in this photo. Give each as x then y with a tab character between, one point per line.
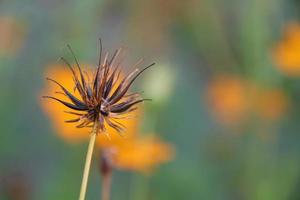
73	54
77	83
76	101
73	113
122	93
117	52
69	105
124	106
78	66
72	120
100	53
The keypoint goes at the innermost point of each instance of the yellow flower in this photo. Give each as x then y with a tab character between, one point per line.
286	53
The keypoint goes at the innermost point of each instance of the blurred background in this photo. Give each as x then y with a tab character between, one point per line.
225	112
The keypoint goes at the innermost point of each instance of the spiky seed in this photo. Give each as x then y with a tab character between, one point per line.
105	98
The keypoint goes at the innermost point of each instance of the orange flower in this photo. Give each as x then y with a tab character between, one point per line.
140	154
11	35
232	99
227	96
286	53
55	111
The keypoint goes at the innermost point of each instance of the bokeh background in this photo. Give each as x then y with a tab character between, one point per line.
225	90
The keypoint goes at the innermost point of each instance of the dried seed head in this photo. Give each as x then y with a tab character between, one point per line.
104	98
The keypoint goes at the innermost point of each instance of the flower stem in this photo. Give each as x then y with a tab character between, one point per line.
88	162
106	186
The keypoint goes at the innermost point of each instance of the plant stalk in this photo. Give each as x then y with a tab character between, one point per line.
88	162
106	185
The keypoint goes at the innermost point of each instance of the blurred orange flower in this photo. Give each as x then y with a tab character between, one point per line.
130	152
286	53
140	154
227	96
11	35
232	100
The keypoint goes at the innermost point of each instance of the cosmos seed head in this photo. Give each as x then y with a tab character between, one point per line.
104	97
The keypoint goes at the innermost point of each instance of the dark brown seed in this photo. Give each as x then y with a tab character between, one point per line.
105	98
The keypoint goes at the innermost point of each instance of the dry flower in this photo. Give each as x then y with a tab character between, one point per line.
71	133
103	100
99	102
